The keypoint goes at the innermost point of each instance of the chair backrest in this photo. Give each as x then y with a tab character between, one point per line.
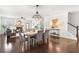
39	36
46	34
8	32
22	36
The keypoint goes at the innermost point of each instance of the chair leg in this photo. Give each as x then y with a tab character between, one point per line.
19	47
24	46
47	41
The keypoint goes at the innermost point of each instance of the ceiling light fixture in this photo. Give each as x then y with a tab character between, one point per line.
37	16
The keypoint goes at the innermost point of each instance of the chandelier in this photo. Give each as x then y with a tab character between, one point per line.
37	15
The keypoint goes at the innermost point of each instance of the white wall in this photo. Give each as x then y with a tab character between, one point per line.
73	19
63	17
0	25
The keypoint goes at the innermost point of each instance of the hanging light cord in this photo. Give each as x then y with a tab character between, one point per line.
37	9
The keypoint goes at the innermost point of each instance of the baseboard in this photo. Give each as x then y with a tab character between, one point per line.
68	38
64	37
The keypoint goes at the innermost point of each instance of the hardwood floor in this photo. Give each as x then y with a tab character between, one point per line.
60	45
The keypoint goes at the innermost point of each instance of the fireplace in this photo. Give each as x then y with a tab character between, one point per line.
19	25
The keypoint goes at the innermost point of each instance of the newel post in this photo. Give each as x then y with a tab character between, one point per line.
77	33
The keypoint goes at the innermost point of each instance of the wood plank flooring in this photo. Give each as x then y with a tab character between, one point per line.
60	45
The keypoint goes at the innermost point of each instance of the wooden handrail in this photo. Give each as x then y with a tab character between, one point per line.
72	25
76	31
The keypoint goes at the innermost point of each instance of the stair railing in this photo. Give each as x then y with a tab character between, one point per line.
77	28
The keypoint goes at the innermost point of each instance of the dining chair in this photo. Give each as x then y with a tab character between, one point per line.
23	40
39	36
37	39
8	33
46	36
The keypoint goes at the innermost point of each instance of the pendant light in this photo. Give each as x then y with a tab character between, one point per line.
37	16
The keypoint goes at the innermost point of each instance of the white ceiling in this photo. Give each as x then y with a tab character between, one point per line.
29	10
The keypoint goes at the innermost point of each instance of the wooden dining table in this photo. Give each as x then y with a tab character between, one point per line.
31	33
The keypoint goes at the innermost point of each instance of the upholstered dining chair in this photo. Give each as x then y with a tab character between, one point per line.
46	36
23	41
8	33
39	36
37	39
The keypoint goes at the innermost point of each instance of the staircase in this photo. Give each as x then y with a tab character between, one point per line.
76	29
